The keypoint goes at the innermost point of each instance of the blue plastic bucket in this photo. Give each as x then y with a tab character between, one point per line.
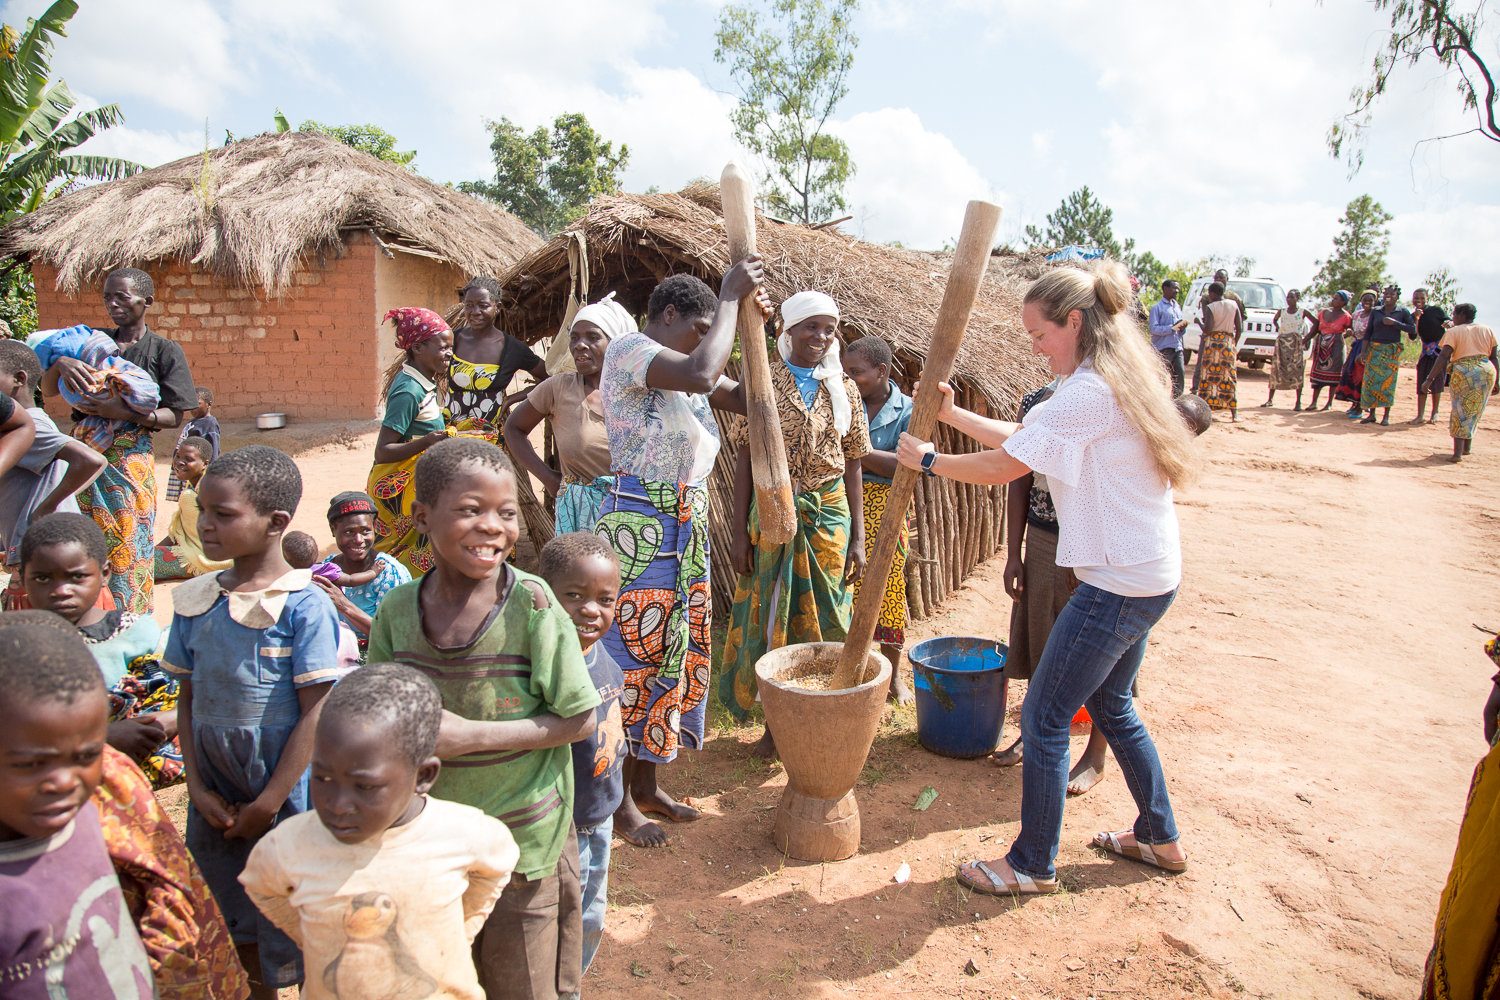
961	688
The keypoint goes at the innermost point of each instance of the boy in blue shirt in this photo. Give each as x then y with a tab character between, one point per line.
584	574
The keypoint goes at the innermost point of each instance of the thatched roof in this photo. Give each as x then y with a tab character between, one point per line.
256	210
634	241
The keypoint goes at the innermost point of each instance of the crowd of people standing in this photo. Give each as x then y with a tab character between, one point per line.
414	732
1355	353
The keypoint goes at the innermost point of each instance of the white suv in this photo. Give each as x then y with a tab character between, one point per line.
1262	297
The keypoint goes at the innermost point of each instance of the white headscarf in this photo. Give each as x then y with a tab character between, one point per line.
608	315
829	370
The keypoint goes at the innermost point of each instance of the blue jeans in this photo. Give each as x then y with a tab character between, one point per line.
1092	657
593	874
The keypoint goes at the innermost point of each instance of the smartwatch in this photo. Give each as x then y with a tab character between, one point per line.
927	459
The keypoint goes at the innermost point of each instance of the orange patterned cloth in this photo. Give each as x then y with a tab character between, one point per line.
186	939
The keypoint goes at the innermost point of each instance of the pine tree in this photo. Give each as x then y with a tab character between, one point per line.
1359	251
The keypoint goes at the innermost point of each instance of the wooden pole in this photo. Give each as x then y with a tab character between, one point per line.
773	482
965	275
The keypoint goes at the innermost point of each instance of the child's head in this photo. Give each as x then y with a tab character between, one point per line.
466	505
191	459
1195	412
20	371
205	402
247	498
868	362
351	518
373	750
53	717
584	574
64	564
299	549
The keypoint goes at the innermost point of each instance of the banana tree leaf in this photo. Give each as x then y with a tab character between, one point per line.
56	105
98	168
83	128
23	77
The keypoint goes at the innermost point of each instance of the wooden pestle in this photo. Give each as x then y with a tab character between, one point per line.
775	506
965	275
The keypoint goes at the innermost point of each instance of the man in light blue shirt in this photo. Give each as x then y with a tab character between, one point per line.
1167	325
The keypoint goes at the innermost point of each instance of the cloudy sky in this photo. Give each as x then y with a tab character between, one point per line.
1201	125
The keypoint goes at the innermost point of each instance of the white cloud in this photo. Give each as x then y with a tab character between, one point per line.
1041	143
150	149
1421	242
910	184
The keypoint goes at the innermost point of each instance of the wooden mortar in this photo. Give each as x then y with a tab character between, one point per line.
823	738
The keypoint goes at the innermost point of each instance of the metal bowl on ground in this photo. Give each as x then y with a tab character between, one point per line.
270	421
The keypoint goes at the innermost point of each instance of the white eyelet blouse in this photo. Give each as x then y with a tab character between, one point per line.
1117	528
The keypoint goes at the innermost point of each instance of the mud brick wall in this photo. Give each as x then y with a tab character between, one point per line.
313	353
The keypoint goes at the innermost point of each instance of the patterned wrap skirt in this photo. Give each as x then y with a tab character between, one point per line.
579	503
891	628
1291	365
1217	379
660	637
392	486
796	595
1379	387
1471	380
1352	380
170	562
1327	359
148	690
123	503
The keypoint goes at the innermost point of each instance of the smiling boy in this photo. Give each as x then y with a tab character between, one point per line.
516	693
384	888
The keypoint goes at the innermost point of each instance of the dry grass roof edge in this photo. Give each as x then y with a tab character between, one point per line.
275	201
635	240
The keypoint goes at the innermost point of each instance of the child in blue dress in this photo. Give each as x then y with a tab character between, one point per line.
256	648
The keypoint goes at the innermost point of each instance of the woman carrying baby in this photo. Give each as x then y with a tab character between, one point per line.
123	499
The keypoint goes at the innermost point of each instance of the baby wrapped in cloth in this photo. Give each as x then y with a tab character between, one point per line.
111	375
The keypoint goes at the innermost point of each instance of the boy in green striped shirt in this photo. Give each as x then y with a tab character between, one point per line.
516	693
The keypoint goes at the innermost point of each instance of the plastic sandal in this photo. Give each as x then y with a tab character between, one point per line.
1139	852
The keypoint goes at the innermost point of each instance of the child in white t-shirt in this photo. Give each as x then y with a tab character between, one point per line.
383	888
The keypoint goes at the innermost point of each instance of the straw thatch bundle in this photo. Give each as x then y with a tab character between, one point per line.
252	211
634	241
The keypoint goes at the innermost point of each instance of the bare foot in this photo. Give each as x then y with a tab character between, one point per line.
1085	775
1009	757
634	828
899	694
1172	852
659	802
765	748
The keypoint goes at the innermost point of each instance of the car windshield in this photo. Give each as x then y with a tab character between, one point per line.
1259	294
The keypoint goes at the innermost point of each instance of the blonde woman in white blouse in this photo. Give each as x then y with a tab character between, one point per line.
1112	446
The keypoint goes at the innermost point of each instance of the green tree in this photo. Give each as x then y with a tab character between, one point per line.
792	66
1421	29
1083	220
1359	250
547	179
1442	289
38	126
371	139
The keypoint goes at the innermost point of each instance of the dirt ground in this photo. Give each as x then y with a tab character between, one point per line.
1315	694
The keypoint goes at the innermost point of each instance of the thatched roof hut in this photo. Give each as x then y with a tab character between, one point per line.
252	212
274	260
634	241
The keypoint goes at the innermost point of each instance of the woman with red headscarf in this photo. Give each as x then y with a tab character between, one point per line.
413	423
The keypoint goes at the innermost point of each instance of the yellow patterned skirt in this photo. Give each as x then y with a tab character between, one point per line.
891	629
